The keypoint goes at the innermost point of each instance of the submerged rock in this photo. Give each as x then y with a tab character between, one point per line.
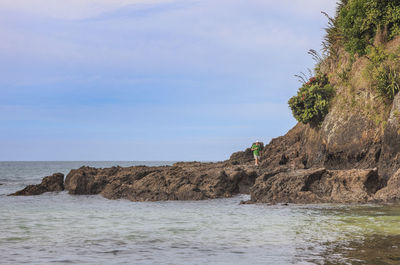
54	182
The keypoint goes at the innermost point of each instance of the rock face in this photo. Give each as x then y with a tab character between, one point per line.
317	186
390	193
182	181
389	161
54	182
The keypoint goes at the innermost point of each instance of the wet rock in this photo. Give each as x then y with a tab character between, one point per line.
317	186
54	182
368	249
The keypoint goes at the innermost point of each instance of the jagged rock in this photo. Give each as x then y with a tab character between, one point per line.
243	157
391	192
390	156
182	181
286	151
54	182
317	186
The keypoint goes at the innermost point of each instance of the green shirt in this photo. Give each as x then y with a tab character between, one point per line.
257	149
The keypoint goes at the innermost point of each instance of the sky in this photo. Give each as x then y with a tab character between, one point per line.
150	79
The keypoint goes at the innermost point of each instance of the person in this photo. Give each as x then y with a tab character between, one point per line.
256	148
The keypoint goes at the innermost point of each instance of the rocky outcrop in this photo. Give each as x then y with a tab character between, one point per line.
182	181
54	182
243	157
390	193
389	161
317	186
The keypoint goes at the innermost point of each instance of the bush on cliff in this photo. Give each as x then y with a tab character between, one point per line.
358	22
311	104
383	71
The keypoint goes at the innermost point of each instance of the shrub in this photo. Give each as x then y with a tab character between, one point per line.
383	71
358	21
386	80
311	104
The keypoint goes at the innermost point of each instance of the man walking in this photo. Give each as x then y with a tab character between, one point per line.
256	148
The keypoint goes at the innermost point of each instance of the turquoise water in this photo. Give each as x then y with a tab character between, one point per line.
58	228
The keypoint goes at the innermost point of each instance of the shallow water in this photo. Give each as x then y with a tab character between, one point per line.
60	228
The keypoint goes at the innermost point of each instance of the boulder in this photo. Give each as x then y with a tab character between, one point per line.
54	182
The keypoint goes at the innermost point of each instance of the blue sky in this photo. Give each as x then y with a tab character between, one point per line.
150	80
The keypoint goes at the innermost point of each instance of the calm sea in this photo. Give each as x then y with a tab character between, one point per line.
57	228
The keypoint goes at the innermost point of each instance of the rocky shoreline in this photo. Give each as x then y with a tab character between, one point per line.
349	158
344	161
280	179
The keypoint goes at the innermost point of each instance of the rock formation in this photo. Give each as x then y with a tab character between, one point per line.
182	181
390	193
317	186
54	182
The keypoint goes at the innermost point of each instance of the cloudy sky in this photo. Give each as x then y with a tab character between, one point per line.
150	79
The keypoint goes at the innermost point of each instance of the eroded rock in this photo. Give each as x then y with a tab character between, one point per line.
54	182
317	186
390	193
182	181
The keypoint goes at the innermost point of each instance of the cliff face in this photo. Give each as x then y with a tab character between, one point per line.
360	134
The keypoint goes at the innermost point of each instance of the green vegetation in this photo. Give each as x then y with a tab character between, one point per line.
311	103
383	71
356	57
358	22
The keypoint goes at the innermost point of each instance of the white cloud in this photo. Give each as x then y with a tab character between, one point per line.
79	9
302	7
70	9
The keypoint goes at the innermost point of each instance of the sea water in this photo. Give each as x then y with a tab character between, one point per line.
58	228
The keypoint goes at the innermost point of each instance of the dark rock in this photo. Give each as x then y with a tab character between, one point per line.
390	193
317	186
182	181
243	157
284	160
389	157
54	182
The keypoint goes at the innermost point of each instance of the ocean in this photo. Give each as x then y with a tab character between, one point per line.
58	228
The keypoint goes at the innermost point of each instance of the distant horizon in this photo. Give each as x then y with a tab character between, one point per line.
150	80
202	161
